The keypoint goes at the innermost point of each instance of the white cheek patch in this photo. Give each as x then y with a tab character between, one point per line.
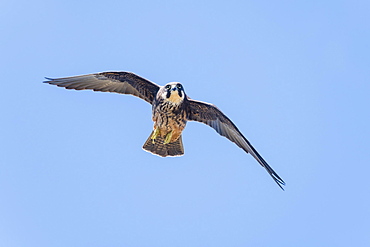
164	95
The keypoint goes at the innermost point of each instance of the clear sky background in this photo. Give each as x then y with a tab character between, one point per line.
294	76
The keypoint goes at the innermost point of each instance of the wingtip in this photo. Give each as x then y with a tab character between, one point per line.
280	183
48	79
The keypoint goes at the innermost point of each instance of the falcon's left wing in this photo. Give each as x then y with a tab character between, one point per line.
212	116
115	82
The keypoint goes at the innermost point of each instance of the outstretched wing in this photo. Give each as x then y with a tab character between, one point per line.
115	82
212	116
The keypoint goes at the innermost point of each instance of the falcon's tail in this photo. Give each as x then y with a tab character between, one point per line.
159	148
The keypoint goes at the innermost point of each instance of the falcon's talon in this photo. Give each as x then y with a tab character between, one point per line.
155	134
168	137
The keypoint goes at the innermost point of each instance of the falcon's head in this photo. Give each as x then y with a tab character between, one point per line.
172	92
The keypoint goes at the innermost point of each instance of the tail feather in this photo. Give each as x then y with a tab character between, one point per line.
175	148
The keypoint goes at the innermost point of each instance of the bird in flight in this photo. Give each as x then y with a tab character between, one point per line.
171	109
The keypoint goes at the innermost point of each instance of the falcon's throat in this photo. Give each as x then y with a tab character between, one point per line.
175	96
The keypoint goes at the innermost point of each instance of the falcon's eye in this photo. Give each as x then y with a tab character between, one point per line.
168	87
179	86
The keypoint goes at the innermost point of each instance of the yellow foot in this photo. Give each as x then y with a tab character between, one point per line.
155	134
168	137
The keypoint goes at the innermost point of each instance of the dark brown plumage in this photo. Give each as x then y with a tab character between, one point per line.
171	108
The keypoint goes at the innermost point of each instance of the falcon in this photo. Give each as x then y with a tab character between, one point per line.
171	109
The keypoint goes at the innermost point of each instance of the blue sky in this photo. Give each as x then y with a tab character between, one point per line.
293	76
